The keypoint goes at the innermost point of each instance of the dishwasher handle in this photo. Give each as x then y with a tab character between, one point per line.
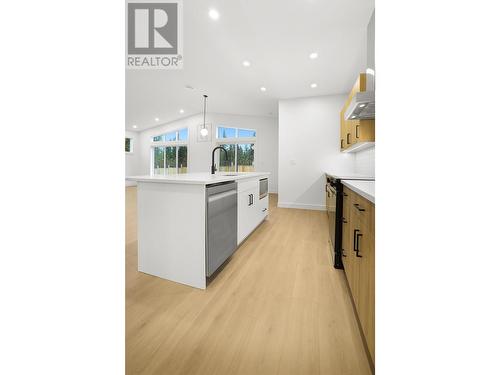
216	197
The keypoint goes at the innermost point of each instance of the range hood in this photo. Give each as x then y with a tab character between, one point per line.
362	106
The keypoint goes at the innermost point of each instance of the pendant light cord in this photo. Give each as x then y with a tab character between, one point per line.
204	109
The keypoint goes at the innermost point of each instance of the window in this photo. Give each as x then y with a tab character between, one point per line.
224	132
128	145
169	153
240	147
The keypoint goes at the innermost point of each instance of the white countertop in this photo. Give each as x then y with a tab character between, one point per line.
349	176
364	188
198	178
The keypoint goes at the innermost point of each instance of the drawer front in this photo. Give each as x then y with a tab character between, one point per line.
251	183
363	210
263	207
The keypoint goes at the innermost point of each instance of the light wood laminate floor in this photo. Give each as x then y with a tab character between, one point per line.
277	307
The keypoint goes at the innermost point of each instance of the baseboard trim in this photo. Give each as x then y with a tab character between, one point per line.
302	206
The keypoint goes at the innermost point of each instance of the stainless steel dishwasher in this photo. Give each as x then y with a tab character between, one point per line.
222	228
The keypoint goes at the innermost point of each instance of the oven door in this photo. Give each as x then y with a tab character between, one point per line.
331	208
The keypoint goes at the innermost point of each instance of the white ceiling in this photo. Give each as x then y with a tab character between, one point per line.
276	36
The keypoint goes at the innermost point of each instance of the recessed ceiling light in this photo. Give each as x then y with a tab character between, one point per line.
314	85
362	105
134	126
157	119
181	111
246	63
313	55
263	89
213	14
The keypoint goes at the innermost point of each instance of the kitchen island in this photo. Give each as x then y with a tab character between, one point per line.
172	221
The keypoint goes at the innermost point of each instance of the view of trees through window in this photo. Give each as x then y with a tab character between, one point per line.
128	144
223	132
240	158
170	154
170	160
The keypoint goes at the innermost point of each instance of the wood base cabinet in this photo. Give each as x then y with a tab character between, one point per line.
358	248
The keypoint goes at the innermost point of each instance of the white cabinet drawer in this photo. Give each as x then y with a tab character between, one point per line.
246	184
263	208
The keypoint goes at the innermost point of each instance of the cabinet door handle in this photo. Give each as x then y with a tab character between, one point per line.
249	199
252	198
357	245
341	143
344	220
345	256
345	195
348	134
354	240
357	206
264	209
357	129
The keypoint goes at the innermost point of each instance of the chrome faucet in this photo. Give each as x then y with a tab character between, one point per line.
213	169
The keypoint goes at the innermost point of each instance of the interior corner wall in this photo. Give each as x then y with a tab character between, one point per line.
309	146
200	153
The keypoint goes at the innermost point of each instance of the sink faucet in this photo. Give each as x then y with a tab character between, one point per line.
213	169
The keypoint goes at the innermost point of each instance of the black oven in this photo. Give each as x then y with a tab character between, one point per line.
334	203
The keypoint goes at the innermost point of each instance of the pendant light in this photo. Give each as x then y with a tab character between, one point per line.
204	130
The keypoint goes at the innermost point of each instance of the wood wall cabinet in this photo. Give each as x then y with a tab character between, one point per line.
358	245
354	132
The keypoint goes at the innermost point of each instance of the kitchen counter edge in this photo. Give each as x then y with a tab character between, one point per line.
364	188
195	180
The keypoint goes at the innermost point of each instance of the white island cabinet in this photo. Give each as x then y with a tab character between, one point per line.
172	221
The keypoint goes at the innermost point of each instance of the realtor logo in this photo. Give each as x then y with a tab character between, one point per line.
154	34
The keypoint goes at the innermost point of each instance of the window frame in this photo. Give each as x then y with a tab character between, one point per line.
177	143
236	140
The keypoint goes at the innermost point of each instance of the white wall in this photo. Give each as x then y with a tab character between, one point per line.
364	162
200	153
309	145
132	159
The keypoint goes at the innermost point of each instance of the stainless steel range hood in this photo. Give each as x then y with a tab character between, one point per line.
362	106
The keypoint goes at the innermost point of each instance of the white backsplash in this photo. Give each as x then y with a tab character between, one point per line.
364	162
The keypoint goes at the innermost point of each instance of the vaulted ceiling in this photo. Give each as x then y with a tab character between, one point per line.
275	36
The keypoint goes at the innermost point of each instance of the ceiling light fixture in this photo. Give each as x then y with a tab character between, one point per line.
181	111
314	85
157	119
313	55
134	126
204	130
246	63
213	14
263	89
